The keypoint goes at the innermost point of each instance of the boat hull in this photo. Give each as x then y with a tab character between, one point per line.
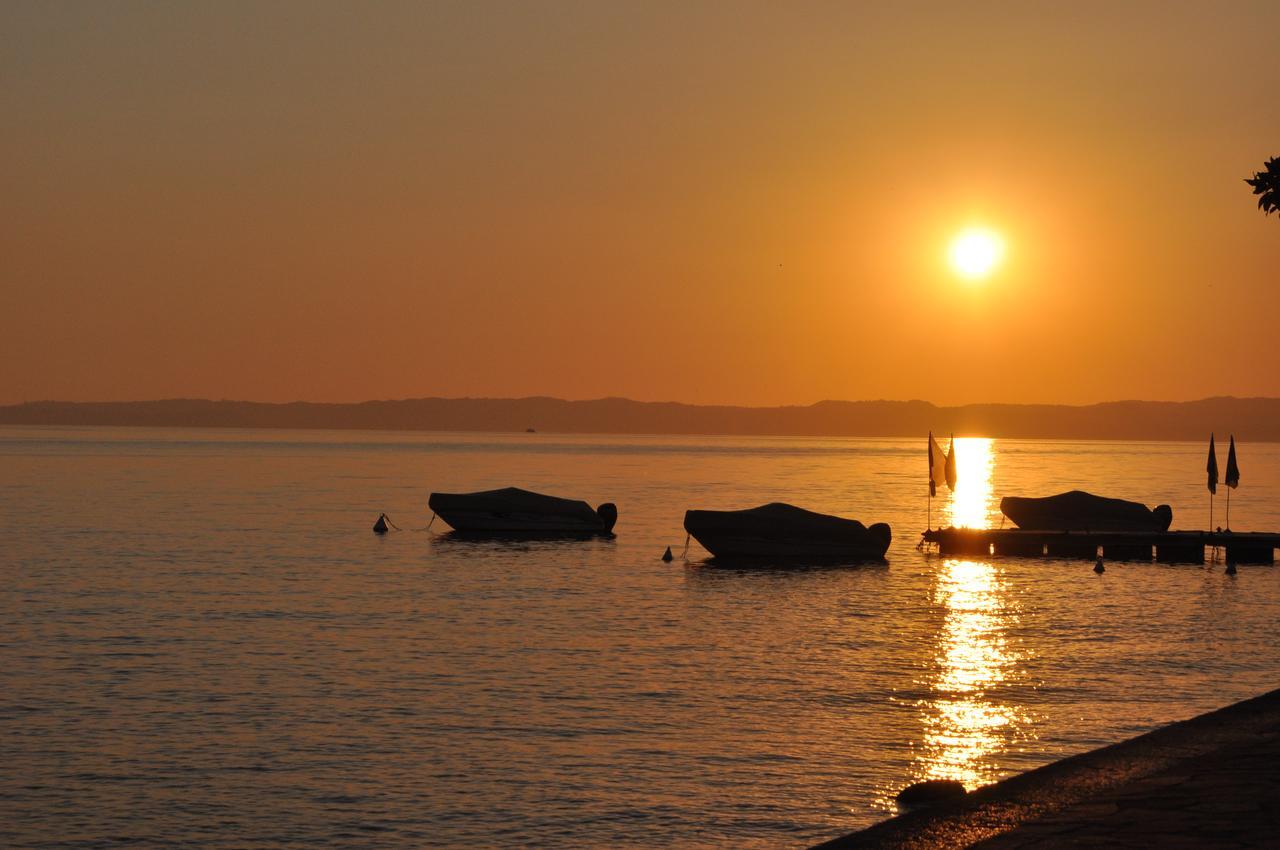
1080	511
515	512
783	533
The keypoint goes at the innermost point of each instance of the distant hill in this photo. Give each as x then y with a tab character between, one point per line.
1248	418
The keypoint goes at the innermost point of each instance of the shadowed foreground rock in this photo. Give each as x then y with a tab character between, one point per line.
1212	781
931	792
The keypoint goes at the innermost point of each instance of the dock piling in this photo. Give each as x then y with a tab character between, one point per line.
1180	552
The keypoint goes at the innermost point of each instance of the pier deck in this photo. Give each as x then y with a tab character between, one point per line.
1183	547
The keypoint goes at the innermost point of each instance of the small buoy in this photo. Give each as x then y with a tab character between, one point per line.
380	527
666	556
1098	568
1231	569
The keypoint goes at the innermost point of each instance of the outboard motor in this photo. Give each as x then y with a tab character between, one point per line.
608	513
1163	515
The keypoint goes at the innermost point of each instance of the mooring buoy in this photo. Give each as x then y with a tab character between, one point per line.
1098	568
380	527
666	556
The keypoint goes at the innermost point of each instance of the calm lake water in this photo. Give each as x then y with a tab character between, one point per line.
203	644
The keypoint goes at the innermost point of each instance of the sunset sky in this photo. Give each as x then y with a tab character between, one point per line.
712	202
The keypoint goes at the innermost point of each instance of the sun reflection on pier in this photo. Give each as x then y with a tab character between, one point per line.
971	502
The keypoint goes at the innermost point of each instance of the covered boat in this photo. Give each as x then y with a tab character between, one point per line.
512	511
779	531
1081	511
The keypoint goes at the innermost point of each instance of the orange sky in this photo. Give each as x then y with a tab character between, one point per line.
729	202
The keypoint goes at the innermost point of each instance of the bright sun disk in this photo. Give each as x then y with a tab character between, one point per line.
976	252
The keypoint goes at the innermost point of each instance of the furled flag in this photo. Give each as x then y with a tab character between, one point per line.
951	464
937	466
1232	478
1212	467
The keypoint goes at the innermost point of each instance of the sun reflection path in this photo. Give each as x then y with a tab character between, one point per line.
971	502
965	721
967	716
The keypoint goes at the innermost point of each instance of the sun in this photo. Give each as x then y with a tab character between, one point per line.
976	252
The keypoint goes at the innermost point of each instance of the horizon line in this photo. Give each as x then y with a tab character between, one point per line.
553	398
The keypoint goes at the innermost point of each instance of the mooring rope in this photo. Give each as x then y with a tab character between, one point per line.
426	527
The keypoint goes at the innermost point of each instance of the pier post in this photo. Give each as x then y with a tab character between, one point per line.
1180	553
1065	547
964	541
1126	551
1010	545
1250	553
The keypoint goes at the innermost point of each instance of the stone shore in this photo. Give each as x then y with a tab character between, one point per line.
1209	782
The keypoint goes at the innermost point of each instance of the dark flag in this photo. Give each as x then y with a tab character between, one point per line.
1212	467
1233	472
933	466
951	464
937	466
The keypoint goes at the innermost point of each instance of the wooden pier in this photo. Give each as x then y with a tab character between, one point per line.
1169	547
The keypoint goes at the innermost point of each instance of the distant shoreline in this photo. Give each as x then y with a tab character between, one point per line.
1249	419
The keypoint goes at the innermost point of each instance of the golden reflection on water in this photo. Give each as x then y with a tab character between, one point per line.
964	719
971	502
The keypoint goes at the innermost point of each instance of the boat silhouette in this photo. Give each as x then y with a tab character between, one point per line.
514	512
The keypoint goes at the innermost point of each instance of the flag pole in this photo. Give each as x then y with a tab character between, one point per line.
1213	556
1233	477
929	517
1211	469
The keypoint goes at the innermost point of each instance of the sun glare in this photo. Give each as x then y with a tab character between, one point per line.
976	252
